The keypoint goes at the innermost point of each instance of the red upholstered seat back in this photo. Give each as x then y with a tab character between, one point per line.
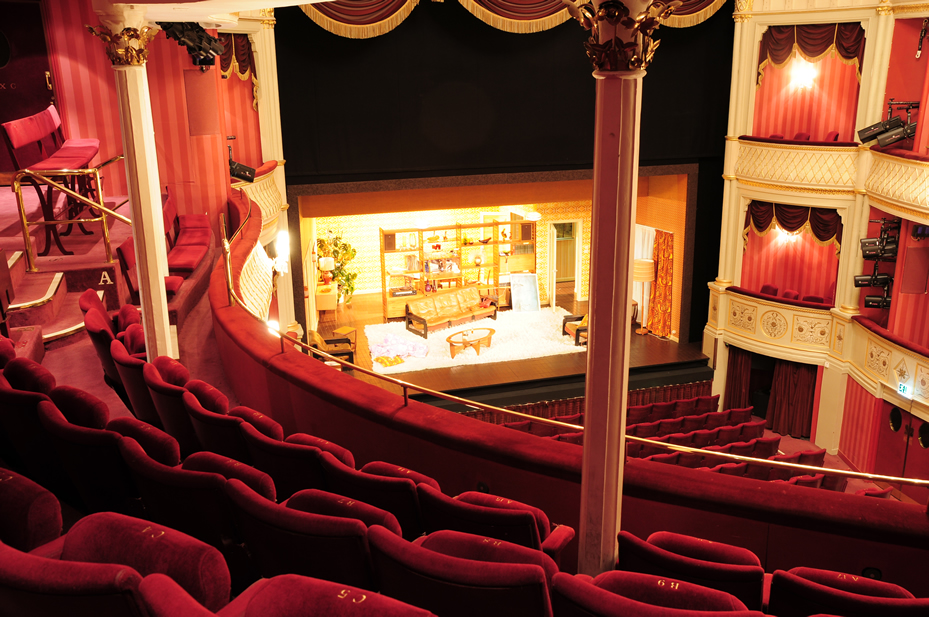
292	466
340	453
380	468
130	374
282	540
742	580
42	128
454	586
793	596
101	335
330	504
166	396
147	548
27	374
30	516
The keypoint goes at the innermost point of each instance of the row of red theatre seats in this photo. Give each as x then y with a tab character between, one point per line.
793	294
706	421
109	564
188	239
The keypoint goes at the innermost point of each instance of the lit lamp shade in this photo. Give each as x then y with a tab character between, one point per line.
643	270
326	264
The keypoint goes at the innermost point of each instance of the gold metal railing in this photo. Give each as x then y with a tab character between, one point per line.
45	178
406	387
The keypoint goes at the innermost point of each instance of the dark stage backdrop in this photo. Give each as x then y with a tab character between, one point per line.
445	94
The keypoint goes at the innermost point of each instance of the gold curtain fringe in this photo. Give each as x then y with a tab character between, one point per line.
254	91
686	21
806	228
368	31
515	26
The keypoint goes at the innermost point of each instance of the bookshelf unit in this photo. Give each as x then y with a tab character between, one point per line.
418	262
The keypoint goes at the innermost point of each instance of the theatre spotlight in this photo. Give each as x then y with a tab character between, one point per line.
898	134
873	280
202	47
872	132
878	302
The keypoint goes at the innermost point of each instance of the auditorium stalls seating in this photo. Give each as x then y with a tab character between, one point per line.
97	567
282	596
30	516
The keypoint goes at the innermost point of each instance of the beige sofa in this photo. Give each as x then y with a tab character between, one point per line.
446	309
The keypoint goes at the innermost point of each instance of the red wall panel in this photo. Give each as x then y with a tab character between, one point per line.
860	423
830	105
905	74
85	88
908	311
791	262
242	120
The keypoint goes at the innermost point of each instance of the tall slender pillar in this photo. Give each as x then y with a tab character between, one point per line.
272	149
619	72
125	35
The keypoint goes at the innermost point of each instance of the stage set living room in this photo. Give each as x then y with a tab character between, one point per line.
379	307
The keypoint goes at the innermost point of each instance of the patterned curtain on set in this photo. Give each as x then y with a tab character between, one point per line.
237	58
660	298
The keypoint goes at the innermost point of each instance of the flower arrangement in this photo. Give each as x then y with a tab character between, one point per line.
332	245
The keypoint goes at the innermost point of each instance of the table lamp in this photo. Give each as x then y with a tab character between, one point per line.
643	271
326	266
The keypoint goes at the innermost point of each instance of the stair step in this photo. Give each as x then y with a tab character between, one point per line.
38	298
17	264
27	341
69	321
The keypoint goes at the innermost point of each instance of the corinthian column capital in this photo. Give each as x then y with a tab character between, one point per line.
123	31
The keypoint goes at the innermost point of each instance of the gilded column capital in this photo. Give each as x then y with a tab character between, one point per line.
267	18
620	40
741	18
884	8
128	47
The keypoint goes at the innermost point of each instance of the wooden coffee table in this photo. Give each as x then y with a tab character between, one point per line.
473	338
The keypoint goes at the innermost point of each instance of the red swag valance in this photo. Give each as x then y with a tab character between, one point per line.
359	19
237	58
824	224
811	42
518	16
693	12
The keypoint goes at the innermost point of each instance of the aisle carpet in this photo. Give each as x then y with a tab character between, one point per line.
518	336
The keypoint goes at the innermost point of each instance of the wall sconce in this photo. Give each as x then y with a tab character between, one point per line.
533	216
802	73
326	266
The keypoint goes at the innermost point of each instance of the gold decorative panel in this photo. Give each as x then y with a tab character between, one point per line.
838	344
877	359
921	386
802	165
773	324
901	370
742	316
811	330
714	307
900	180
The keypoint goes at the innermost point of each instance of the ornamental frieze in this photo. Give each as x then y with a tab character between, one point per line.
838	344
742	316
921	385
773	324
811	330
878	359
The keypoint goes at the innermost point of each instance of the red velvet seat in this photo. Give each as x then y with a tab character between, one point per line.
629	594
717	419
810	481
681	439
96	569
694	422
395	495
127	262
101	335
731	469
723	567
783	473
707	404
770	290
806	591
880	493
728	434
742	448
791	294
497	517
704	437
187	229
453	586
660	411
166	379
832	136
670	425
835	482
766	447
285	539
293	466
740	415
30	516
638	414
118	323
685	407
130	375
389	470
669	458
811	298
329	504
752	430
7	351
692	460
647	429
340	453
802	136
814	458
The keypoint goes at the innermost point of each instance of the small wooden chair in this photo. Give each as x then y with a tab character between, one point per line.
341	347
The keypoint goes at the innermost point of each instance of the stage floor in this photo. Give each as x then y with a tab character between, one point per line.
648	354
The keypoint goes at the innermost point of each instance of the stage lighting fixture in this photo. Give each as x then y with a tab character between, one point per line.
871	132
873	280
878	302
897	134
202	47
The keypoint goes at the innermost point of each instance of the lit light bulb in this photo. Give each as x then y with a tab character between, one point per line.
802	73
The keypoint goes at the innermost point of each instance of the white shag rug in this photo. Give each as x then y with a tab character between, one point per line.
518	336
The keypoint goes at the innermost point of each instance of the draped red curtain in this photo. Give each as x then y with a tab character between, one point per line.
790	408
237	55
824	224
660	300
693	12
518	16
812	42
787	261
359	19
738	376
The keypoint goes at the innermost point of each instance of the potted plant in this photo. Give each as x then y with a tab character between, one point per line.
342	253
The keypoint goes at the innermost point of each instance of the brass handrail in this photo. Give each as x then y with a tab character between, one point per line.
769	463
406	386
41	177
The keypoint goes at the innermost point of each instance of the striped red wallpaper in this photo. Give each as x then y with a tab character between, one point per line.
788	261
858	441
908	311
830	105
85	89
242	120
194	167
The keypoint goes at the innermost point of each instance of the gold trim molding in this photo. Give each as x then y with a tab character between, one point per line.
796	189
884	8
830	149
267	18
742	18
128	46
725	177
908	8
893	206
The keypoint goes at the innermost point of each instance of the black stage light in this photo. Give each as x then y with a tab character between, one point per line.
897	134
863	280
869	242
871	252
873	280
878	302
871	132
